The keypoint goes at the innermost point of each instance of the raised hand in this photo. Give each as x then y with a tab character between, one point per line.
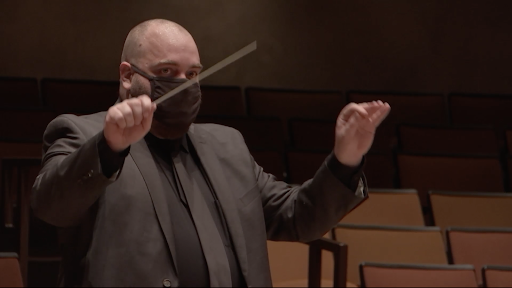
355	130
128	122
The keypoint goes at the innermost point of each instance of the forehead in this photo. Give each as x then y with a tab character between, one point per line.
168	44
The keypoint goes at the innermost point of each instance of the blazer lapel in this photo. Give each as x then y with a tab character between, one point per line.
147	167
213	168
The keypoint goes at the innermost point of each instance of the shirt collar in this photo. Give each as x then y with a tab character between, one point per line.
166	144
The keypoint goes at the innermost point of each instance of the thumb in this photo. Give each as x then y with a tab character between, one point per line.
148	120
352	124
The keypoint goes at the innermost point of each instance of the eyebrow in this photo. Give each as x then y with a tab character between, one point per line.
174	63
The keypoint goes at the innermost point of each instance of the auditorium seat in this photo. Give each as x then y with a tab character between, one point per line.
17	176
312	134
441	140
290	263
260	133
508	137
408	108
79	96
294	104
19	92
288	104
416	275
24	125
271	161
396	244
426	172
21	149
465	209
388	207
222	100
497	276
480	246
302	166
405	108
10	273
509	163
379	170
487	110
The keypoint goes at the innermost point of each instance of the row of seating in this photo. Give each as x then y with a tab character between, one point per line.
389	227
477	247
371	275
424	275
405	170
300	134
423	245
449	209
67	95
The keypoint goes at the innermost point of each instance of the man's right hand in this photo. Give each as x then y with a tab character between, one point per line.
128	122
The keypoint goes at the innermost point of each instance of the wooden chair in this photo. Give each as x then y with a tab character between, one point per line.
426	172
405	108
312	134
508	137
19	92
480	247
476	109
294	103
79	96
18	175
222	101
396	244
288	104
10	273
408	108
24	125
388	207
303	165
380	170
321	263
416	275
471	209
497	276
446	140
271	161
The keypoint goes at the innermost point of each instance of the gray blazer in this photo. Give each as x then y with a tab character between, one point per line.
117	231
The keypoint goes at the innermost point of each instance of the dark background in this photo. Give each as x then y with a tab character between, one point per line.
413	46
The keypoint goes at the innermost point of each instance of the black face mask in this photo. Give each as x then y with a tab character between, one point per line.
179	111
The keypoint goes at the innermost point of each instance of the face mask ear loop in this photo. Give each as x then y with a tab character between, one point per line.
152	96
151	80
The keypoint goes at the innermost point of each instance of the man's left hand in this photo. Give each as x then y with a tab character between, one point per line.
355	130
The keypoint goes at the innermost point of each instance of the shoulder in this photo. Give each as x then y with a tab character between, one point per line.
86	124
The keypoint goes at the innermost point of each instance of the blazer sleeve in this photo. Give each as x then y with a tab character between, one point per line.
70	180
306	212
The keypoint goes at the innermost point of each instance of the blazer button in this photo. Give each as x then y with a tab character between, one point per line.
167	283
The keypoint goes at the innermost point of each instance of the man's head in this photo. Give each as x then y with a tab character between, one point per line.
159	48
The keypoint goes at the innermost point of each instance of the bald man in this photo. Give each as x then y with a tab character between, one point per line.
144	197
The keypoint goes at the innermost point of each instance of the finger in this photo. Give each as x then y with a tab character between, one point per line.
350	109
146	106
127	113
350	128
380	115
116	117
372	107
146	122
136	106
